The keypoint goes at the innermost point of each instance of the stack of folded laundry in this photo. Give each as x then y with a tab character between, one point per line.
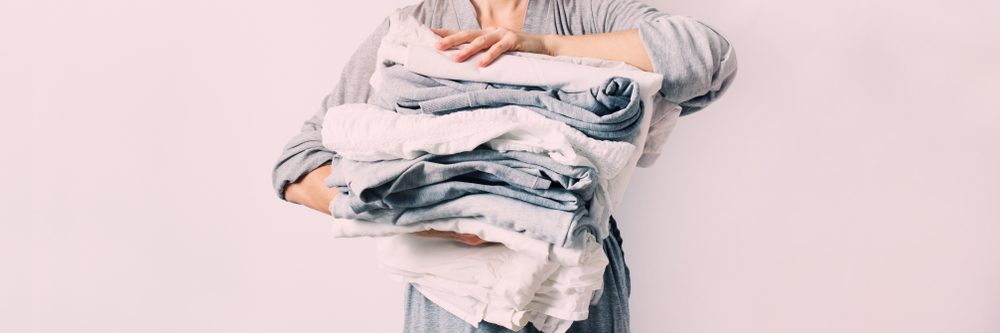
531	153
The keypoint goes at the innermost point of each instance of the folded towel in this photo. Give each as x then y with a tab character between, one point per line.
363	132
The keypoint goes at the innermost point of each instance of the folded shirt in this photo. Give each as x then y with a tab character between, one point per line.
608	111
430	179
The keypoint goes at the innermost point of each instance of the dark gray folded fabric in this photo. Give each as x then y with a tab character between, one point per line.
610	111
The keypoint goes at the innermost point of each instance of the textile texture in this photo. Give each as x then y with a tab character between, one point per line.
610	111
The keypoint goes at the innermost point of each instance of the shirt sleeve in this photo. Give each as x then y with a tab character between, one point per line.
697	63
305	151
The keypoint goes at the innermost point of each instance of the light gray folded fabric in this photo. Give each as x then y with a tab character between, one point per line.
610	111
429	179
561	228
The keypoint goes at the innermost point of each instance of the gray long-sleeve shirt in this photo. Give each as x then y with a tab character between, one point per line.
697	63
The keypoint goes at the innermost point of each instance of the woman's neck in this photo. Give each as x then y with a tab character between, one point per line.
500	13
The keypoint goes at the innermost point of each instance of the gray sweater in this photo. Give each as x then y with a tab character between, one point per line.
697	63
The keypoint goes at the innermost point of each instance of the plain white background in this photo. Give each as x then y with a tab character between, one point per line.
847	182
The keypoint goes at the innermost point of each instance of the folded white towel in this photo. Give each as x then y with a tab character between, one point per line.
364	132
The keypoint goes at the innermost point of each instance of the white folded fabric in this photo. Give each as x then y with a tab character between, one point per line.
533	248
364	132
493	282
519	280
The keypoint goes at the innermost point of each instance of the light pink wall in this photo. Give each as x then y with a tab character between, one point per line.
15	168
846	183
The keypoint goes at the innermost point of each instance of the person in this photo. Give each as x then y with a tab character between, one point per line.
697	63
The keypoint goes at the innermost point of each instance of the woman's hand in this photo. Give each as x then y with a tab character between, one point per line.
461	238
311	190
491	41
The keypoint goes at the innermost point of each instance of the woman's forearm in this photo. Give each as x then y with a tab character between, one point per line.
624	46
311	190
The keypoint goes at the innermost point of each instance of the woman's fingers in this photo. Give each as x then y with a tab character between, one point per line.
480	43
493	42
506	43
469	239
452	38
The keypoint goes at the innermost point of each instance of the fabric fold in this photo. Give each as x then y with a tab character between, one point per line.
430	179
363	132
494	283
507	288
610	110
561	228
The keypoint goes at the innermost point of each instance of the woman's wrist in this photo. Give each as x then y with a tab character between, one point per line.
550	45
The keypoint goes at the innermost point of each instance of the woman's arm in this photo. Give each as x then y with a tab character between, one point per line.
697	63
305	152
624	46
300	173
